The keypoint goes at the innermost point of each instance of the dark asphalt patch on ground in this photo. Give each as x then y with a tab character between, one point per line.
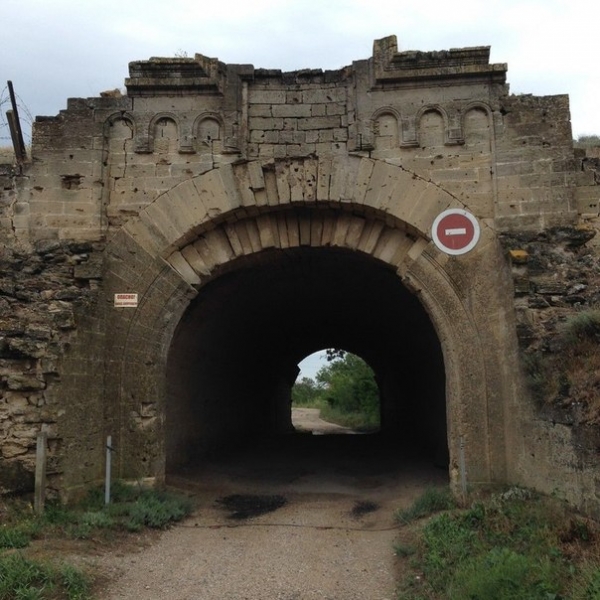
364	507
246	506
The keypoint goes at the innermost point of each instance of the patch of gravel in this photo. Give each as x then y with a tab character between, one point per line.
305	550
333	538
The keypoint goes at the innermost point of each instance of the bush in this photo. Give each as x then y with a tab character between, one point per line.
584	325
155	510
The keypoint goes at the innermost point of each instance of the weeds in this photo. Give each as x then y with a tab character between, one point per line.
359	421
16	537
155	510
133	509
404	550
431	501
512	546
24	579
584	325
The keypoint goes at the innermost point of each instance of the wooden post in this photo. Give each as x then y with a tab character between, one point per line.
108	469
40	472
462	469
15	124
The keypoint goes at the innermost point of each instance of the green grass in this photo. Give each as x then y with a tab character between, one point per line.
24	579
513	546
431	501
359	421
133	508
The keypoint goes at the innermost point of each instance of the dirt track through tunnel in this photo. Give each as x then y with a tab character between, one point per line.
320	544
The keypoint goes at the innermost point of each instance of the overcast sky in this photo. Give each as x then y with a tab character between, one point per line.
56	49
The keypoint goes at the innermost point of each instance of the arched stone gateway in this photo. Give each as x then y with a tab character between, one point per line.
258	216
364	215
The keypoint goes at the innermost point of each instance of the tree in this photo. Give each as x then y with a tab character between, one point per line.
306	392
348	386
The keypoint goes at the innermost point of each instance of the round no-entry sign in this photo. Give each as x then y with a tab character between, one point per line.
455	231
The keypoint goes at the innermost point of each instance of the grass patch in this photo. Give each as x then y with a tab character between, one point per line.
431	501
517	545
404	550
359	421
133	508
24	579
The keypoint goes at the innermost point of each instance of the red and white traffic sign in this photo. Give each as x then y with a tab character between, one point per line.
455	231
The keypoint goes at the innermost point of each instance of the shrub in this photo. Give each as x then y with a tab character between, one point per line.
156	510
584	325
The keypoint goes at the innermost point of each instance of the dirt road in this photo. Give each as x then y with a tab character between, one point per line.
332	539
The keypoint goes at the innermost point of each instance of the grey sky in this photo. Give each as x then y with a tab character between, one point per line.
55	49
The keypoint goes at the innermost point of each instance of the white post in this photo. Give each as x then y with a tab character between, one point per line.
108	466
40	472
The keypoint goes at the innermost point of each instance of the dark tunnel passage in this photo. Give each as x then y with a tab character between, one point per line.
235	353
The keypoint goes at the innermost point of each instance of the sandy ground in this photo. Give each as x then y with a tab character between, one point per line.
314	547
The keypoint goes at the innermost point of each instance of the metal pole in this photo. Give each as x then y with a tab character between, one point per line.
108	467
40	473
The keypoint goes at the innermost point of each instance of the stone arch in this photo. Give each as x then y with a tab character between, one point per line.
432	127
163	133
181	240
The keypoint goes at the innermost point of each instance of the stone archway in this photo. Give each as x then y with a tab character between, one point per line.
190	235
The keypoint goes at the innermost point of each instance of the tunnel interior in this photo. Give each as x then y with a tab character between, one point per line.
234	355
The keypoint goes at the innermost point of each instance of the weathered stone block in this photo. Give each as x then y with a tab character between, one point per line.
319	123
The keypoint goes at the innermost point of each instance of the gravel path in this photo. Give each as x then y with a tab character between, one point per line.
314	547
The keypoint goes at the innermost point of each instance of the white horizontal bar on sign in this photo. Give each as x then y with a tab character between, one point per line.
456	231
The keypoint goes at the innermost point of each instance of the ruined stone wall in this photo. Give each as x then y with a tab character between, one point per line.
41	291
446	119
